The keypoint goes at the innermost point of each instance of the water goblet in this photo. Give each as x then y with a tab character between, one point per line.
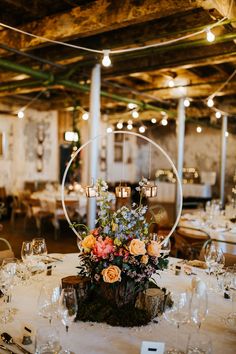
48	301
39	247
230	290
165	247
178	314
68	307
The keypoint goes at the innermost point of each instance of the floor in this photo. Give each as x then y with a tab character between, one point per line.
66	242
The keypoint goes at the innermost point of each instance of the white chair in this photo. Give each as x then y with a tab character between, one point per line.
6	253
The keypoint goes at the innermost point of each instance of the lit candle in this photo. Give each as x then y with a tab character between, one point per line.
123	192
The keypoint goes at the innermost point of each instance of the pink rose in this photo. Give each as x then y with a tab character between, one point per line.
103	248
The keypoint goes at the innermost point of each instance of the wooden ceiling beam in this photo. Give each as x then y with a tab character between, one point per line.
89	19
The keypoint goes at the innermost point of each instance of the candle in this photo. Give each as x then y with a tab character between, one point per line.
123	192
91	192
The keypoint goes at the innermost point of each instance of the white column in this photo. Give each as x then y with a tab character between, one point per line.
94	124
180	131
223	158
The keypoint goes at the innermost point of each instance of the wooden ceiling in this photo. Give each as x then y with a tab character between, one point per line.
61	75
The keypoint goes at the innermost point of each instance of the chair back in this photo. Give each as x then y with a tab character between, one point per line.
230	258
5	253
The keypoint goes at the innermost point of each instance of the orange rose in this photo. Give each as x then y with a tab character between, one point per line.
111	274
153	249
137	247
89	241
144	259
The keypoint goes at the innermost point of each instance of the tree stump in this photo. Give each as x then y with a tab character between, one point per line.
80	284
151	300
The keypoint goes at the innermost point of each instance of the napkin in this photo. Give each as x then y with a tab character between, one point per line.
197	263
198	286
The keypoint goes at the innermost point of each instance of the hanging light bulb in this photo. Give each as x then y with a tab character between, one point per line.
226	134
210	36
85	116
129	126
218	115
131	105
106	61
142	129
21	114
135	114
130	121
164	121
186	102
153	120
171	83
119	125
109	130
210	102
199	129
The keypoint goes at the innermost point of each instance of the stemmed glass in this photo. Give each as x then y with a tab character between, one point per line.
68	306
8	280
48	302
199	306
210	256
165	247
39	247
178	314
26	251
230	289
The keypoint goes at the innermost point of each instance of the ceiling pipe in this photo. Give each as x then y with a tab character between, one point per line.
49	79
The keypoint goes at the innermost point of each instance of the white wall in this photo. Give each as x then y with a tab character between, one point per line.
19	163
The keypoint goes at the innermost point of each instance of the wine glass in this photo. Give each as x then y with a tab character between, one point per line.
165	247
26	251
199	344
199	306
39	247
178	314
210	255
68	306
9	280
48	301
230	290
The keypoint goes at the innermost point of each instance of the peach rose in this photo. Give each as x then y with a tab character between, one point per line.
137	247
89	241
144	259
153	249
111	274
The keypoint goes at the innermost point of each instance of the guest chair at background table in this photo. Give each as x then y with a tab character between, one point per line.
189	242
7	250
228	248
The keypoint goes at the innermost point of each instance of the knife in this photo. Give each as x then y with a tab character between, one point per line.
6	349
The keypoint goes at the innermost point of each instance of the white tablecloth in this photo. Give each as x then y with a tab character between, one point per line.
93	338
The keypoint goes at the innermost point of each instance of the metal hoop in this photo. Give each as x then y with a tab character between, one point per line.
180	195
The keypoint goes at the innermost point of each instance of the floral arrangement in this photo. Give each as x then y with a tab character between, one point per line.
119	248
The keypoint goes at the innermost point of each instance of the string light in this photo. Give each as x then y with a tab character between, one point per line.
186	102
106	61
109	130
142	129
164	121
226	134
85	116
131	105
21	114
135	114
199	129
130	121
119	125
210	102
209	35
129	126
171	83
153	120
218	115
